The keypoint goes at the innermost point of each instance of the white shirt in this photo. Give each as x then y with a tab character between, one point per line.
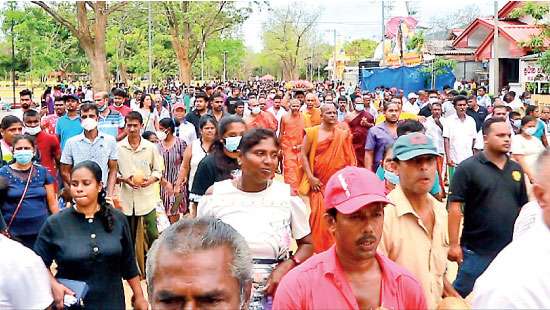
461	135
528	217
187	132
24	280
484	101
448	109
268	220
409	107
279	115
164	113
89	95
518	278
529	148
435	133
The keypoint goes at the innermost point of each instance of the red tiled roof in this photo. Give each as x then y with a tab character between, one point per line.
508	8
520	33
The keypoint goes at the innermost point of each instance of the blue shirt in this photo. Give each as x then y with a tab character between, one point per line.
100	151
539	131
378	137
67	128
34	208
111	123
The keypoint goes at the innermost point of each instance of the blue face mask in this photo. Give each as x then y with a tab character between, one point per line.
531	130
23	156
517	123
232	143
391	177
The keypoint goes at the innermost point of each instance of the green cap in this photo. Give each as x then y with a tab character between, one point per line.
412	145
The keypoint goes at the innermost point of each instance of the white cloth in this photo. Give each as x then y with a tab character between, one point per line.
24	280
164	113
448	109
268	220
484	101
409	107
518	277
516	104
461	135
529	148
278	115
435	133
187	132
89	95
529	216
197	154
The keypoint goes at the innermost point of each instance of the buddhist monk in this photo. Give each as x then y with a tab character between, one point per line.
359	122
259	118
312	113
290	136
326	148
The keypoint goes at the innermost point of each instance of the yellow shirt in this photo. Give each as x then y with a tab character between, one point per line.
406	241
147	160
403	116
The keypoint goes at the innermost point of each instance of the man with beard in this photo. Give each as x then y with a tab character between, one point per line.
381	135
68	125
342	108
326	149
49	122
359	122
216	104
459	134
489	189
351	274
25	100
259	118
200	109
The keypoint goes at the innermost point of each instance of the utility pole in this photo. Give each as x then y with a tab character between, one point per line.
150	51
224	66
383	34
495	61
13	60
334	57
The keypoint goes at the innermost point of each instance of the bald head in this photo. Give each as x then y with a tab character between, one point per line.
327	107
311	100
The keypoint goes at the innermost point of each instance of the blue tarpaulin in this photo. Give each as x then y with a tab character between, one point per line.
409	79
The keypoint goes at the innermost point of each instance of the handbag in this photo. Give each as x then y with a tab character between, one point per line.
20	202
80	289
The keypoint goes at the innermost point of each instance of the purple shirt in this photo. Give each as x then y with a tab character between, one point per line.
378	137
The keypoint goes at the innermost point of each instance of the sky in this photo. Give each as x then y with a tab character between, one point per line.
355	19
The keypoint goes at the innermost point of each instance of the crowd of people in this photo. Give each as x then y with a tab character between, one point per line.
275	195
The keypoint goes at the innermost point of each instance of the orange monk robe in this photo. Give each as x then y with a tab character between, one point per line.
263	120
326	158
291	136
312	117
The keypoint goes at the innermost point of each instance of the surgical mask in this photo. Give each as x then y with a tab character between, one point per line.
232	143
432	100
531	130
89	124
527	102
391	177
359	107
33	131
103	108
23	156
256	110
161	135
517	123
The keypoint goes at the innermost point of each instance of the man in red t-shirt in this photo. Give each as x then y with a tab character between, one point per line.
47	145
119	96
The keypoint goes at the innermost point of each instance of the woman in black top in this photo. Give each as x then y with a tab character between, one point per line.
91	243
221	164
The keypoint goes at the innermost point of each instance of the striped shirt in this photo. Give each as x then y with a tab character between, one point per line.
111	123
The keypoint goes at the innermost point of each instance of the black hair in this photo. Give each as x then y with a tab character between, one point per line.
458	98
409	126
105	210
387	148
205	119
488	123
135	116
30	113
168	123
527	119
512	113
387	104
216	95
482	87
202	95
25	92
277	97
9	120
217	147
147	134
530	109
453	92
253	137
446	87
499	106
118	92
332	212
88	107
27	137
142	99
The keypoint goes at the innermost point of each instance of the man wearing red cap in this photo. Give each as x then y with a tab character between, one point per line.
351	274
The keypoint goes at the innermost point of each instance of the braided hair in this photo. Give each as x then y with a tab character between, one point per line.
105	209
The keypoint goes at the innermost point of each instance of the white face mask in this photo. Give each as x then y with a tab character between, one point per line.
161	135
256	110
33	131
89	124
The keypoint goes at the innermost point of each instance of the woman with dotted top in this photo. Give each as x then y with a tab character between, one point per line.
91	242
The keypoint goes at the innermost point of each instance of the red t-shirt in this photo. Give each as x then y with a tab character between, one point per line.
48	149
124	110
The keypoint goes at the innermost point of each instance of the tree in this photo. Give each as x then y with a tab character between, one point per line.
286	34
90	29
458	18
539	43
360	49
192	24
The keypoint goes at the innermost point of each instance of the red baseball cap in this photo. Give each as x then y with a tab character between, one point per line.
352	188
178	105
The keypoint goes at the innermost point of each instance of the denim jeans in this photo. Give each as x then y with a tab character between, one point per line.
472	267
